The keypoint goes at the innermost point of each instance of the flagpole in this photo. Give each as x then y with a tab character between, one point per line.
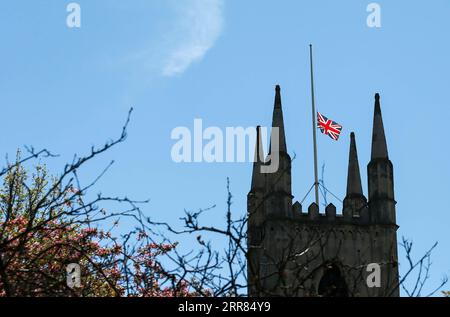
316	178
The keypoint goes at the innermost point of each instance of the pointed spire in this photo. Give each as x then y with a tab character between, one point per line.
257	177
379	146
354	202
354	186
277	120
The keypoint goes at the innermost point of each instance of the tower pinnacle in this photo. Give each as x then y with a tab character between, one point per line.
354	186
354	202
278	122
379	146
257	176
380	174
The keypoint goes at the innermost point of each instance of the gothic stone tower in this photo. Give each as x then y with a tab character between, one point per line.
296	253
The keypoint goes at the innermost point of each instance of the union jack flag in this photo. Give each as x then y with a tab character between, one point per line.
329	127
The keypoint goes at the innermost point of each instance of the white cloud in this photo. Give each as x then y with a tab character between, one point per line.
200	25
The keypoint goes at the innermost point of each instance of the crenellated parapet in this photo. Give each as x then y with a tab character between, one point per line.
312	215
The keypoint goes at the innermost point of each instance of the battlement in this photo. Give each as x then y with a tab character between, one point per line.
313	216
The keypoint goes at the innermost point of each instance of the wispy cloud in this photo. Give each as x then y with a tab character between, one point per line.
200	25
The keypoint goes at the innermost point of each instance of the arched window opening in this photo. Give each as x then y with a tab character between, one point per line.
332	283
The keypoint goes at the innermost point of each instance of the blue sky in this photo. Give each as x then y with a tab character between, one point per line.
219	60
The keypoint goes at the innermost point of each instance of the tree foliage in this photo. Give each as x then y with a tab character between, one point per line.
48	222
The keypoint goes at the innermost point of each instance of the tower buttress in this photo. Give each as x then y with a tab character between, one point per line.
279	193
256	217
380	174
255	198
382	207
354	201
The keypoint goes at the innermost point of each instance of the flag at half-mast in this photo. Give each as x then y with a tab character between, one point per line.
328	126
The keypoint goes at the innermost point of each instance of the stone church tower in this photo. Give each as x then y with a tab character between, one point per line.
292	252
